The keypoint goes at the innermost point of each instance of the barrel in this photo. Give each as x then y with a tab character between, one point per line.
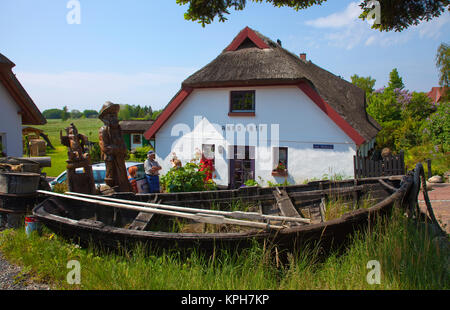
19	182
28	165
31	224
14	220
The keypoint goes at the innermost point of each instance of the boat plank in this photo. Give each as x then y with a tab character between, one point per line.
284	203
142	221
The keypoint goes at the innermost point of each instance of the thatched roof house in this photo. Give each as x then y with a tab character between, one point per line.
253	59
321	117
258	60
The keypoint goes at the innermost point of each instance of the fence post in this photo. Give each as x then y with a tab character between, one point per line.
402	163
429	168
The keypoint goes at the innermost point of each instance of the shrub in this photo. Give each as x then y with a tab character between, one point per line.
186	179
273	184
438	127
95	153
140	153
251	183
61	188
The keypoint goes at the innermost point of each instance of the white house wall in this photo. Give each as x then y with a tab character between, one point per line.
203	116
10	124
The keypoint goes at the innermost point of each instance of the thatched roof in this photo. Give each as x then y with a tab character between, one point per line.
135	126
243	62
29	111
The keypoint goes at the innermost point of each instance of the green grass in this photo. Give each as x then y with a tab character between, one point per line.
86	126
408	256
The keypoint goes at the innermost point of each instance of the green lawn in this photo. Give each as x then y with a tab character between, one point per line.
86	126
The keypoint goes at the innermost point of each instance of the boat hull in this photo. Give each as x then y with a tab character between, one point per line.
95	224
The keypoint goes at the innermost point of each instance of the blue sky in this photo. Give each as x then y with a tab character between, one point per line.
139	51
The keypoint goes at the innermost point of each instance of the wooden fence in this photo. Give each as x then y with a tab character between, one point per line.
389	165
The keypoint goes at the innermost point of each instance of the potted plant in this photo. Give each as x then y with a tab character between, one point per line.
280	170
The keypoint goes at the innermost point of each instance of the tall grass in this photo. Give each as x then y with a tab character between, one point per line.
408	255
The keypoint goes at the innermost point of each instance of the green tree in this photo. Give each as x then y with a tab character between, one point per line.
124	113
65	114
443	65
419	107
438	127
75	114
395	14
388	135
383	106
366	83
52	114
395	81
156	113
90	113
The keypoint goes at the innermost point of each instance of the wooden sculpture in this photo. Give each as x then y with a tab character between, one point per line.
80	178
113	148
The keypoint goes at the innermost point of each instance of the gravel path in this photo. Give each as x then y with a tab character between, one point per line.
9	279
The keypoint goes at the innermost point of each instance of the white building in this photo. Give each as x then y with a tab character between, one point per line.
257	107
16	109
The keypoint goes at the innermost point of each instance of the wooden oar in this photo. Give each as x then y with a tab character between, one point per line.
233	214
199	217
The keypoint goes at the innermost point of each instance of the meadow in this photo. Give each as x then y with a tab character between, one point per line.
408	254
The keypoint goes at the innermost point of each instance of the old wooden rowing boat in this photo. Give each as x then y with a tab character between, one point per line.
285	216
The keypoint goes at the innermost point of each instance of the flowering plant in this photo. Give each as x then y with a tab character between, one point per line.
281	166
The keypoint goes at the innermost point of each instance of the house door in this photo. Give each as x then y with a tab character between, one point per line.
242	166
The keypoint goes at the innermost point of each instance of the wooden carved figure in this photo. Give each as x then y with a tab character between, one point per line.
113	148
79	171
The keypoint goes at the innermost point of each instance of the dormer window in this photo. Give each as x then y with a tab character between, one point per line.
242	103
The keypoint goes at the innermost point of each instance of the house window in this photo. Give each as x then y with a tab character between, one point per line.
242	103
136	139
280	163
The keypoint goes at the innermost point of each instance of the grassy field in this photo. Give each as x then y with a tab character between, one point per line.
86	126
407	252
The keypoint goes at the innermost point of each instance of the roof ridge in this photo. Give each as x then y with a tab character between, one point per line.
5	60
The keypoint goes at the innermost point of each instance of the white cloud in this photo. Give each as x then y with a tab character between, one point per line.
346	30
432	29
89	90
338	20
348	38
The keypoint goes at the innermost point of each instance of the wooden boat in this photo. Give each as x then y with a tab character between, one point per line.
286	216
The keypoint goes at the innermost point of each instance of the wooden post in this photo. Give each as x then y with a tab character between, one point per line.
402	163
429	168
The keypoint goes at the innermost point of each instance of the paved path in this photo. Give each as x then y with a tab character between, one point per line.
440	201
